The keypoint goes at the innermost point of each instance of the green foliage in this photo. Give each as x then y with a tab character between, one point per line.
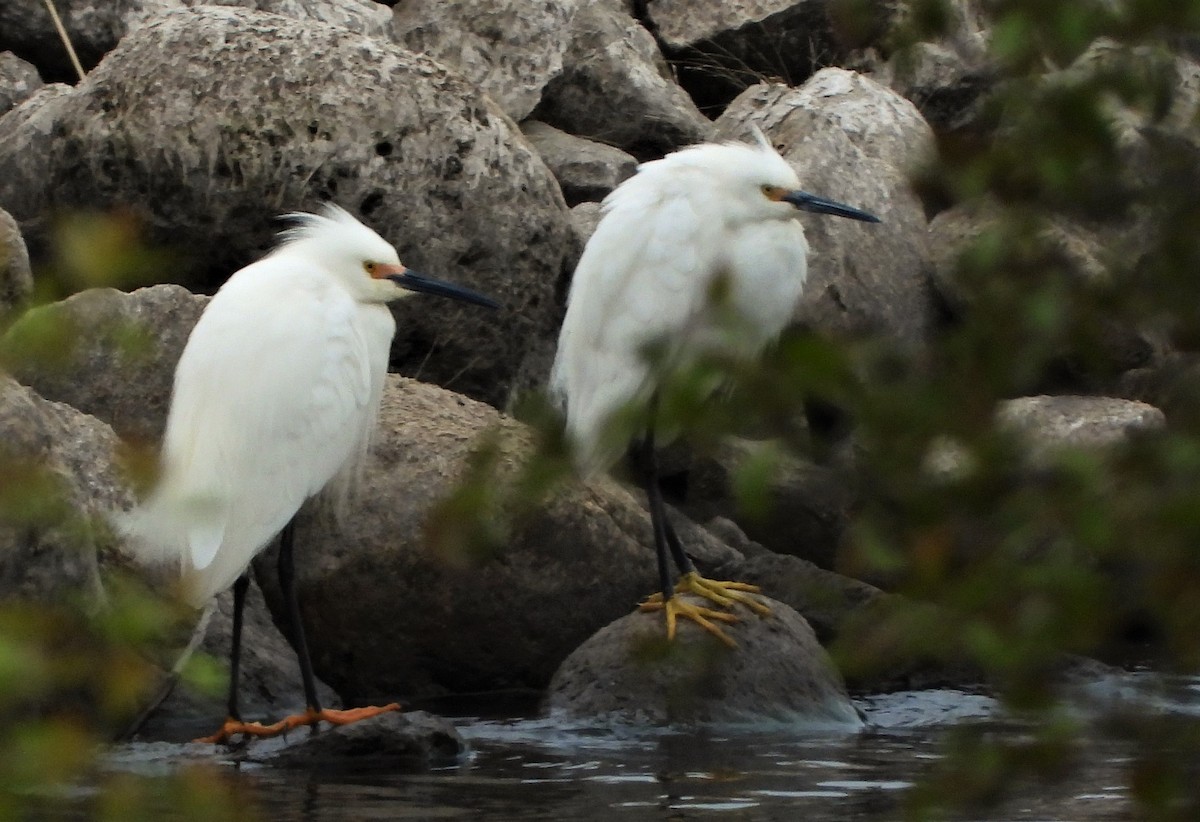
77	667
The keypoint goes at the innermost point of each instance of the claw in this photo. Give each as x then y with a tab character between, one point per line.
722	592
234	727
676	607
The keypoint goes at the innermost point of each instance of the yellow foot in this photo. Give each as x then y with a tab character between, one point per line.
722	592
702	616
235	727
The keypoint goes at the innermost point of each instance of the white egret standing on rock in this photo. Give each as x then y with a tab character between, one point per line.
706	220
274	401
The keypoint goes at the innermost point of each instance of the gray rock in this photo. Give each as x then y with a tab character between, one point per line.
16	277
54	538
807	509
394	742
1049	424
616	88
855	141
270	114
117	361
1086	252
584	219
1143	137
721	48
453	617
629	671
510	49
363	16
947	79
824	598
18	80
93	26
585	170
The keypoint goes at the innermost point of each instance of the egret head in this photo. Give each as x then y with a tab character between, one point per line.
363	262
754	182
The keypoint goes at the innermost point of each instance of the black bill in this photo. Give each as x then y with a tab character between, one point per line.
427	285
819	205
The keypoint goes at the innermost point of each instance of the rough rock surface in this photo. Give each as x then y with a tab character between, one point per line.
53	539
16	278
779	672
449	620
394	742
94	27
271	114
509	48
119	359
363	16
18	80
586	170
616	88
855	141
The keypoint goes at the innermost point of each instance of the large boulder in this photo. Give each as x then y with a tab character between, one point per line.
364	16
60	480
112	355
629	671
392	610
616	88
856	141
16	277
510	49
267	114
18	80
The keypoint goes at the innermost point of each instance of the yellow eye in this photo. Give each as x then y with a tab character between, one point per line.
772	192
370	268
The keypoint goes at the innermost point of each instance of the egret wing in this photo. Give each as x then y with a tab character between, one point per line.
644	276
274	393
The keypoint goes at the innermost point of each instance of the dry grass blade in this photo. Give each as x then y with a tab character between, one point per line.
62	33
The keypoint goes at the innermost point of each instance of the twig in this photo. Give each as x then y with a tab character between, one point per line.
62	33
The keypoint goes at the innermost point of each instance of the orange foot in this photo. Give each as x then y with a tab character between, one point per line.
234	727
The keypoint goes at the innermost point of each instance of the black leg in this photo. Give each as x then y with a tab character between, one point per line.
287	582
235	652
682	561
647	464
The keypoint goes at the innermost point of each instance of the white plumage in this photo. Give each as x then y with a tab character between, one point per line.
647	275
698	253
275	395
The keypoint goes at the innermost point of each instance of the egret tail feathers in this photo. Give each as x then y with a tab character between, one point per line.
183	529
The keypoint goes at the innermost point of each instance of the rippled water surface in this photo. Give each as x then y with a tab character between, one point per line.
538	769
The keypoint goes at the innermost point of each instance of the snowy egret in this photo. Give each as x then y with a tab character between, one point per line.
274	401
712	218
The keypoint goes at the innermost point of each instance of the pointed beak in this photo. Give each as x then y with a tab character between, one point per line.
427	285
819	205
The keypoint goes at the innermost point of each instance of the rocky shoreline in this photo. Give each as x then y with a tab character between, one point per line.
479	138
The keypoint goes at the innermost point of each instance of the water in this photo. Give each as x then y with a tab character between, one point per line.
538	769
